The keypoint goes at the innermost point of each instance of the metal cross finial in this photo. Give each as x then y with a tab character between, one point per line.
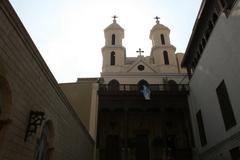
114	18
140	51
157	19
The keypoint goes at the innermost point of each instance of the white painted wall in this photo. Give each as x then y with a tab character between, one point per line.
220	61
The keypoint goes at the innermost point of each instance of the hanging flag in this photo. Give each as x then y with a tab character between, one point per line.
146	92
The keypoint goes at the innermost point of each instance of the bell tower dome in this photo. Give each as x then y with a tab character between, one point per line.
159	34
114	34
113	52
163	52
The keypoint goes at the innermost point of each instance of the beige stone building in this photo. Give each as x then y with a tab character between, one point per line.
141	108
36	119
125	122
84	99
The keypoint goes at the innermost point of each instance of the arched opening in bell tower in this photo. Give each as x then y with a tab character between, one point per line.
113	39
112	58
162	39
165	56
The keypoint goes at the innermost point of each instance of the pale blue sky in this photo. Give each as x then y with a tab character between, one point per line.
69	33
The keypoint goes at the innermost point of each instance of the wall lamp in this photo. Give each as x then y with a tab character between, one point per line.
35	119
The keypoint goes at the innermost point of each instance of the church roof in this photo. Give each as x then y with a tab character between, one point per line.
159	26
114	25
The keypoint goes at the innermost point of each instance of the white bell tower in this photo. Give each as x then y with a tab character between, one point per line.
114	54
163	52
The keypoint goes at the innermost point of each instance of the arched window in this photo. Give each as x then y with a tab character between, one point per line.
142	83
165	56
162	39
114	85
45	142
112	58
172	85
113	39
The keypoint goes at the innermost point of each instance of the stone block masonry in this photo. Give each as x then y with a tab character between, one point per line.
31	86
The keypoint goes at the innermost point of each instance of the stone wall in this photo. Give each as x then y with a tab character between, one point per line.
79	95
27	84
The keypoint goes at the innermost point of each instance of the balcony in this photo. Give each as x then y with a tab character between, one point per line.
130	89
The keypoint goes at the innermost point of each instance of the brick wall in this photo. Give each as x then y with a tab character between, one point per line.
33	87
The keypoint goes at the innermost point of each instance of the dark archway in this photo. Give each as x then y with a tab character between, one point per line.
172	85
114	85
142	83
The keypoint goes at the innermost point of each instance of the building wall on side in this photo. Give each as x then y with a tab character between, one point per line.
31	86
179	57
79	95
219	61
94	111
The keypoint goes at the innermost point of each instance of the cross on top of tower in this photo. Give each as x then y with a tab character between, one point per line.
157	19
114	18
140	51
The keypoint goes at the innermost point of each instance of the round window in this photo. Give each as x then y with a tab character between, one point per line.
140	67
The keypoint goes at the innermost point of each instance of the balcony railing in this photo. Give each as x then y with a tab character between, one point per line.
137	88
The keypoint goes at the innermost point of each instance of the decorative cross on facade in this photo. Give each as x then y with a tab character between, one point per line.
140	51
114	18
157	19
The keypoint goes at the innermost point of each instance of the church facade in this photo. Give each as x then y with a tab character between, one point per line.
163	106
143	112
138	108
125	119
